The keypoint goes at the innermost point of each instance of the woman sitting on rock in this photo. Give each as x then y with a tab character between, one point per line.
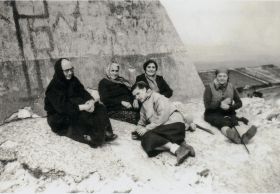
71	110
115	93
221	100
154	81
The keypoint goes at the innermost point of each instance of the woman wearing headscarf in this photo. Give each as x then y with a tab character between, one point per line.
221	100
71	110
155	82
115	93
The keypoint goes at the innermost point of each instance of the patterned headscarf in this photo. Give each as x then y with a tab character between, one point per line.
119	79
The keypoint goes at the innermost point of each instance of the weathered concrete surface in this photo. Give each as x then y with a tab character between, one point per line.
36	33
34	159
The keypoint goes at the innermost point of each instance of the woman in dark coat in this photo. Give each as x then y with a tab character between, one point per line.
71	110
221	100
155	82
116	95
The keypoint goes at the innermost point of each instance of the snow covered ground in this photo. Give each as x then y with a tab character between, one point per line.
33	159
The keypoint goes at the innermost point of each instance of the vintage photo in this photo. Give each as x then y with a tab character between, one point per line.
139	96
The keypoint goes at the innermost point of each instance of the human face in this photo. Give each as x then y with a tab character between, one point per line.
114	71
140	94
67	69
222	78
151	69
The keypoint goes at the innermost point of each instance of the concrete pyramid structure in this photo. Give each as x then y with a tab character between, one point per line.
36	33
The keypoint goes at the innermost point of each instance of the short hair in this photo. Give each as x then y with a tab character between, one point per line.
221	70
148	62
140	85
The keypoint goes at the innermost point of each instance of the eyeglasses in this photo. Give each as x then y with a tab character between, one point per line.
68	70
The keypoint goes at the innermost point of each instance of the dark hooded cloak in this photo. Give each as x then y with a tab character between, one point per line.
63	96
62	100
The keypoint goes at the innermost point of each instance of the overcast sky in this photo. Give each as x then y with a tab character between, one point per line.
228	29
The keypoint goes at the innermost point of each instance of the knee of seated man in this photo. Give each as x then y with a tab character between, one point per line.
147	142
180	126
147	136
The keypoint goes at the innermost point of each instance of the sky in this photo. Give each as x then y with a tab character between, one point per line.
243	32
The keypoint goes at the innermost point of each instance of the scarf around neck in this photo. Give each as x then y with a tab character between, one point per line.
152	82
220	86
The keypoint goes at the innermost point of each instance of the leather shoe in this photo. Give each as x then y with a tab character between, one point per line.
233	136
249	134
192	152
182	153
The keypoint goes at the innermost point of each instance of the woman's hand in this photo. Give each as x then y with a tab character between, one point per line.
90	102
88	106
224	106
91	109
126	104
135	104
84	107
91	105
227	101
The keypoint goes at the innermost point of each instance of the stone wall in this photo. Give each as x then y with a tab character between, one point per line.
36	33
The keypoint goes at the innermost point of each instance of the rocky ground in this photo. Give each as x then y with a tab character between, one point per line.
33	159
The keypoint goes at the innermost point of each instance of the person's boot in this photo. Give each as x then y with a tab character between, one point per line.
192	152
181	154
233	135
249	134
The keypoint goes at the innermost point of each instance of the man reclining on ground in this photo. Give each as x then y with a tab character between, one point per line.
161	126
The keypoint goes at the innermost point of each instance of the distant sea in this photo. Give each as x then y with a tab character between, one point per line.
204	66
211	57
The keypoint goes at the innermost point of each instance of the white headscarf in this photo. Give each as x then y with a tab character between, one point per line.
119	79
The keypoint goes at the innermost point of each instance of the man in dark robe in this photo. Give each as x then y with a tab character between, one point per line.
72	111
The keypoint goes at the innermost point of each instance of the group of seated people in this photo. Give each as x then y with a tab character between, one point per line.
73	112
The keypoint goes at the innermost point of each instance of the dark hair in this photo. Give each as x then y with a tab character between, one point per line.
140	85
221	70
148	62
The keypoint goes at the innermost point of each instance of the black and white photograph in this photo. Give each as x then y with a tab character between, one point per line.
139	96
